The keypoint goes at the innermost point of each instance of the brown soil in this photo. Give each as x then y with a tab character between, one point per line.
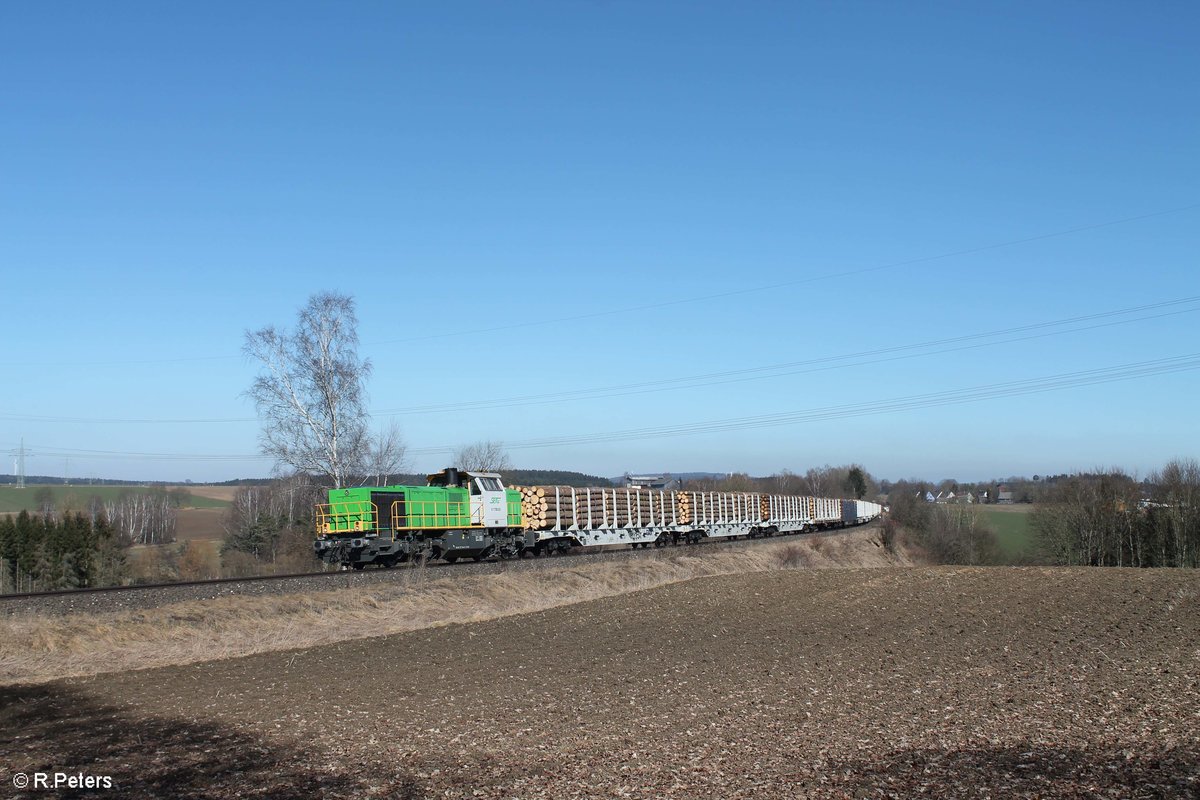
199	523
212	492
832	683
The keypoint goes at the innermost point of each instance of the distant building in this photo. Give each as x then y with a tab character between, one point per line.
1004	495
650	482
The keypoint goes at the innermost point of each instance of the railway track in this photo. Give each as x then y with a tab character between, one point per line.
141	596
151	586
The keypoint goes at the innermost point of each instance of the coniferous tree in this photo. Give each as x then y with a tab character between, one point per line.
8	554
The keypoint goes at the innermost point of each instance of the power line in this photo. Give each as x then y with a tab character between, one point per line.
951	397
740	376
60	452
666	303
806	366
1027	386
798	281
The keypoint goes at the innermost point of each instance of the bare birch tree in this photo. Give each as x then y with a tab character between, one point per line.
142	517
310	396
786	482
817	480
486	456
386	456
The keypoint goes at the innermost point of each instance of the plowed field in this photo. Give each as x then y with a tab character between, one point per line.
835	683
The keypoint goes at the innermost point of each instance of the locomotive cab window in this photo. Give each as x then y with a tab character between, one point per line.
491	484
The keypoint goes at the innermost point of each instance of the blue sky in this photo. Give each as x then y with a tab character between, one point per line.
632	192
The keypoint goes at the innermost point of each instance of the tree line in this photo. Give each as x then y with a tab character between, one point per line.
44	552
945	533
68	544
850	481
1111	519
270	528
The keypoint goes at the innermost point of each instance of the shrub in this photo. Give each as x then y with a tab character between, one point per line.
792	556
888	532
948	534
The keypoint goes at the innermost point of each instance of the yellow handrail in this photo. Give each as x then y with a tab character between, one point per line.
434	513
356	516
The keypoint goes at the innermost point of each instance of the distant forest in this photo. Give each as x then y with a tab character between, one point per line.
525	477
58	480
54	480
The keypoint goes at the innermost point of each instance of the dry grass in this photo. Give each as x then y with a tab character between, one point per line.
225	493
199	523
35	648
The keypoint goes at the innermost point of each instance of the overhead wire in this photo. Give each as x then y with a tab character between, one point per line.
1052	383
1027	386
706	380
934	399
665	303
777	371
797	281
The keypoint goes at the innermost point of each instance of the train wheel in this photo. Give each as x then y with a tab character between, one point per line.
358	565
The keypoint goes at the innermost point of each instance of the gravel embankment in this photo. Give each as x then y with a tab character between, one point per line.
809	683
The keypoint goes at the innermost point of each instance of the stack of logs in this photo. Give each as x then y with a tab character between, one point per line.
545	507
683	507
536	502
686	513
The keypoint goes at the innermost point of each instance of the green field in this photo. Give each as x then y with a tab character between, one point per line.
1013	533
13	499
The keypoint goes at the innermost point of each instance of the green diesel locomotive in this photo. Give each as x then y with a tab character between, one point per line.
459	514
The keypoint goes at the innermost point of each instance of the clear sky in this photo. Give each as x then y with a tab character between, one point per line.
549	197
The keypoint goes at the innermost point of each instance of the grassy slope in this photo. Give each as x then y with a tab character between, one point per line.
1013	533
41	647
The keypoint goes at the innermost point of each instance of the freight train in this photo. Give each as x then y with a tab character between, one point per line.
463	514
